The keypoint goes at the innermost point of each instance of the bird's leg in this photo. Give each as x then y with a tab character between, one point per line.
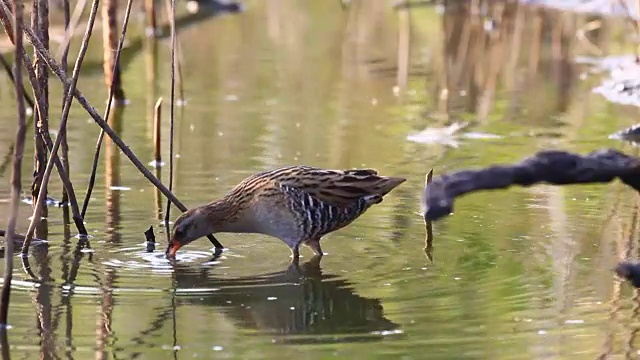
314	244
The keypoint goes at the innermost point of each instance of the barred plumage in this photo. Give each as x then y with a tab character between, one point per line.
297	204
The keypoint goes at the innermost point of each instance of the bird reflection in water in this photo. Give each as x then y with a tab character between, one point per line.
299	300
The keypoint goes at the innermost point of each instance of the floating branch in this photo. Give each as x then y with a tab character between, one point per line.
552	167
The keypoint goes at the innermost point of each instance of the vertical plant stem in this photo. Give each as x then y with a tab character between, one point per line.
110	61
7	68
64	146
157	119
171	14
150	10
63	123
172	22
16	180
96	154
28	65
40	24
53	65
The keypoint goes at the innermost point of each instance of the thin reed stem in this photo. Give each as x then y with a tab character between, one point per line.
157	120
16	179
63	123
71	28
172	96
66	181
96	154
55	68
64	146
7	68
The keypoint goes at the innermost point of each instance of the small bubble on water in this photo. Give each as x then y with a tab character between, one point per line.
220	133
181	102
570	322
271	298
292	308
231	97
542	332
374	101
217	348
457	278
192	127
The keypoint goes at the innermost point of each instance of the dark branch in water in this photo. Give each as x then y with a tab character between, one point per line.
551	167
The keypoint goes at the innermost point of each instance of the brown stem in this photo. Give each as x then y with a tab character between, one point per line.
16	180
7	68
110	61
66	181
157	119
64	146
53	65
63	123
96	154
172	96
40	24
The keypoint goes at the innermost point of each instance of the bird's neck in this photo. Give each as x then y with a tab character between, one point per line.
226	215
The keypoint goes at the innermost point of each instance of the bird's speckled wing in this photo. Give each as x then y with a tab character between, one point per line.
338	187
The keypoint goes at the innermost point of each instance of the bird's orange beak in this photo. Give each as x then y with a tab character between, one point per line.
173	247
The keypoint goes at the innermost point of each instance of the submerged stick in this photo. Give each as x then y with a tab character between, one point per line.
107	111
157	117
172	97
16	180
552	167
53	65
63	123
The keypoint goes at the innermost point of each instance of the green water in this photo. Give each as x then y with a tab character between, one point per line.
517	274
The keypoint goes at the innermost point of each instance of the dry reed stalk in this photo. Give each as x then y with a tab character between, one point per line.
157	117
7	68
172	23
96	154
16	180
70	30
63	123
66	181
40	23
110	59
175	47
150	11
55	68
64	146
